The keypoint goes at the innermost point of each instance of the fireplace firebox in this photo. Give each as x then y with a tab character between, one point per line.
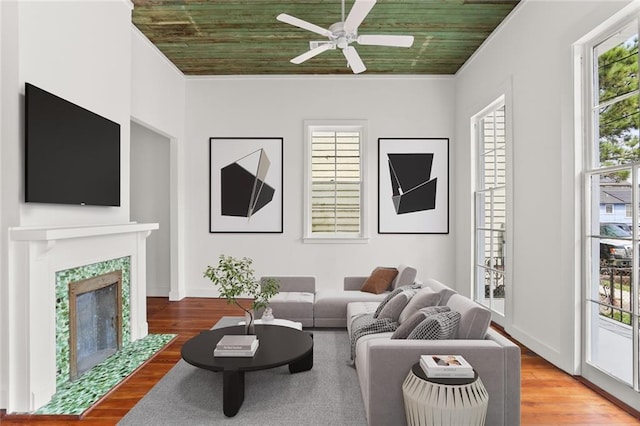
95	321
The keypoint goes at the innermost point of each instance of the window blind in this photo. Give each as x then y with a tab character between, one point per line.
336	182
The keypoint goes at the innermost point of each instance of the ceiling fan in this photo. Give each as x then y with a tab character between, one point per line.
342	34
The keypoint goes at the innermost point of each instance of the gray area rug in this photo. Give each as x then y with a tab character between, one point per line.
328	394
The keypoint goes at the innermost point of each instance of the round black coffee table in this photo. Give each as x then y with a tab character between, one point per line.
278	346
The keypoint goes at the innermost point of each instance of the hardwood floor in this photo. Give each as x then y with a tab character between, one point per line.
549	396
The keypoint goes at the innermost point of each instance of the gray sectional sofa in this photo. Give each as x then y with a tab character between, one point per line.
298	300
382	363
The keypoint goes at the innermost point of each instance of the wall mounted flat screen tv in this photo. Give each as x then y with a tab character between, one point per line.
72	155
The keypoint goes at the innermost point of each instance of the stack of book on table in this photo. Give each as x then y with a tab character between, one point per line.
236	345
442	366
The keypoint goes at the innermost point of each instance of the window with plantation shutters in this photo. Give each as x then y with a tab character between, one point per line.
334	181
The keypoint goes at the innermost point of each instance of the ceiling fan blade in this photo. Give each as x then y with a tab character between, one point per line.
386	40
353	59
359	11
297	22
311	53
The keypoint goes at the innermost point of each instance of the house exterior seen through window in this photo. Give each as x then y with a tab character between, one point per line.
612	176
491	206
334	191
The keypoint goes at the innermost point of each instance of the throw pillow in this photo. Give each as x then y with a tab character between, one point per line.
379	280
440	326
394	308
414	320
425	297
391	295
406	276
386	300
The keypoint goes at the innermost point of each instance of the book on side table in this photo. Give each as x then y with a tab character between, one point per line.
441	366
236	345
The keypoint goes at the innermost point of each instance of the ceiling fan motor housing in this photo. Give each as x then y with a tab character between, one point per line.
341	37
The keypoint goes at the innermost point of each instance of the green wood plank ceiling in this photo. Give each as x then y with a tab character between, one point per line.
243	37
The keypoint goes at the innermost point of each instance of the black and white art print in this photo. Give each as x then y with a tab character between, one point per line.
245	185
413	186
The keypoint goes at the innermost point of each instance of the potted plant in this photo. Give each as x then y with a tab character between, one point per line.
234	278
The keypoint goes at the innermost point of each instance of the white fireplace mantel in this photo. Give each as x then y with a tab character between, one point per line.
52	234
35	255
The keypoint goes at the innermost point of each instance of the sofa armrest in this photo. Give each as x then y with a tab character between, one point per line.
354	283
388	362
305	284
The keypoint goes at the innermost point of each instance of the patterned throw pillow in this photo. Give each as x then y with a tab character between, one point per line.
414	320
394	308
440	326
393	294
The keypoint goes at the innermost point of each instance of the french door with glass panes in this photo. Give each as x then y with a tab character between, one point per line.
612	175
490	278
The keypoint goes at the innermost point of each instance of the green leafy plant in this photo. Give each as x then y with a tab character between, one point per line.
235	278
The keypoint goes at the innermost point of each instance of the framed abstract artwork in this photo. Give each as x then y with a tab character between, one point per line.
245	185
413	186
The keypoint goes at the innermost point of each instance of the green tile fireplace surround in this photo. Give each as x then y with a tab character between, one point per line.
74	397
63	279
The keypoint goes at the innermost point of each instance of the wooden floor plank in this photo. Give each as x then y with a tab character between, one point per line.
549	395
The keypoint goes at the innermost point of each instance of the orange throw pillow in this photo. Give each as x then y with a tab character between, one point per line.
379	280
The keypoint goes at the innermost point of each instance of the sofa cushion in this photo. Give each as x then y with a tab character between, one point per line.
396	305
442	326
475	318
355	309
294	306
414	320
406	276
292	297
330	307
379	280
423	298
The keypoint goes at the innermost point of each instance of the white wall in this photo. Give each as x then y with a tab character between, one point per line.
158	102
84	56
4	30
150	198
10	149
157	88
531	56
277	107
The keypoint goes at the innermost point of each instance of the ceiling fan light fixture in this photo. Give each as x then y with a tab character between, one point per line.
317	43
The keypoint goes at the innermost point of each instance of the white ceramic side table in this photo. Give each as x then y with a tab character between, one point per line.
444	401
